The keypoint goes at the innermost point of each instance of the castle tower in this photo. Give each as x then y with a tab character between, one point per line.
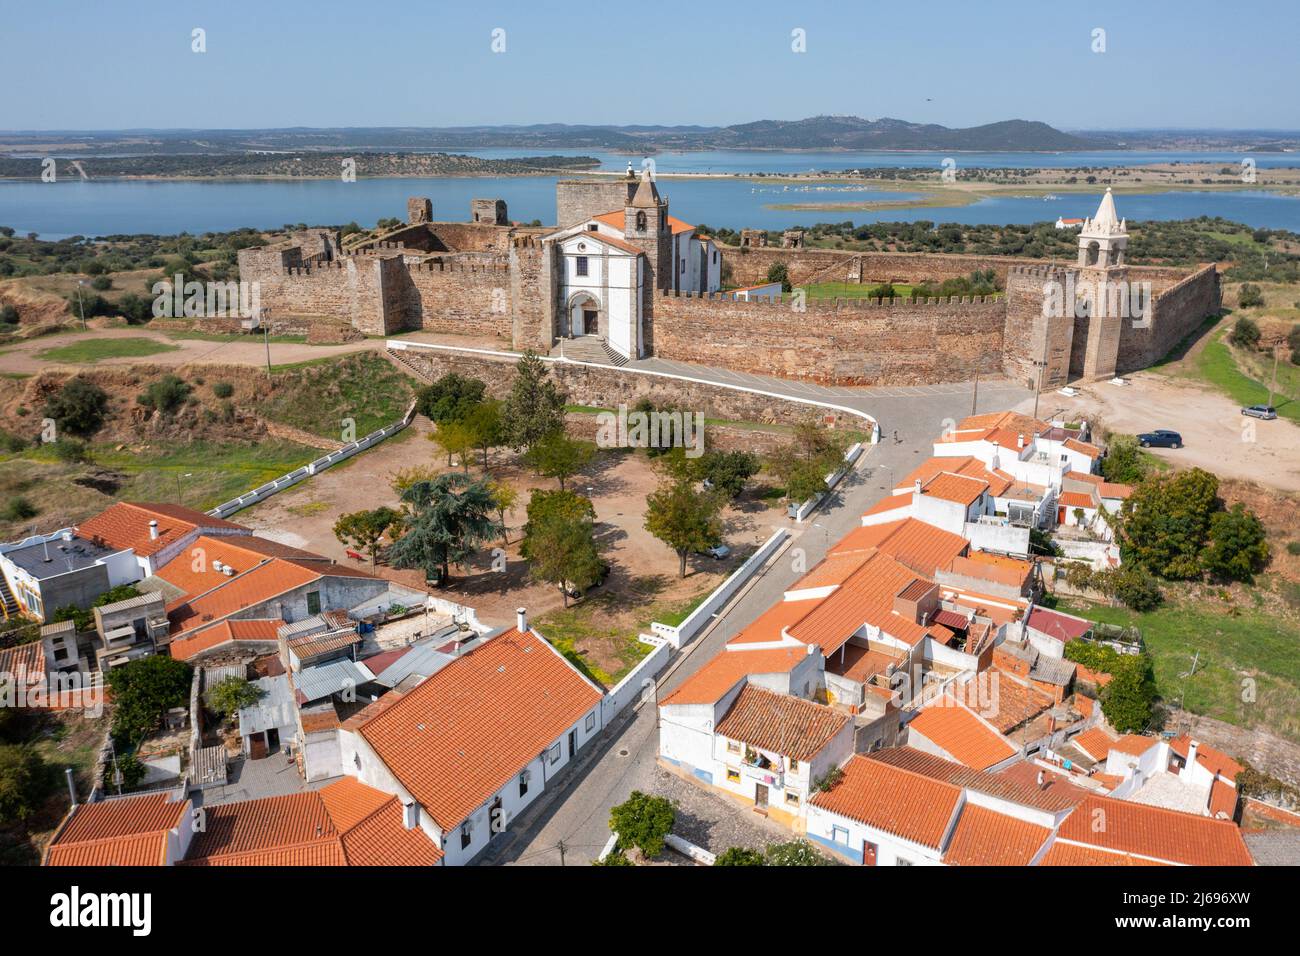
645	225
1102	291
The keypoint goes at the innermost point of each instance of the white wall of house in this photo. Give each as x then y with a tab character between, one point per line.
846	837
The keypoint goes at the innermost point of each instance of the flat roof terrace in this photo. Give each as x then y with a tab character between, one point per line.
61	556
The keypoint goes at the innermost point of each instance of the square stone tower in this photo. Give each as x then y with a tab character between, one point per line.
1102	288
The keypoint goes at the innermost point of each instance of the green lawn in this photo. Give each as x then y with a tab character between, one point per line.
1217	364
93	350
851	290
1236	644
231	336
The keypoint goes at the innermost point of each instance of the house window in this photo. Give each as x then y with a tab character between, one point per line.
840	835
581	265
715	257
592	227
683	267
794	765
900	861
590	724
733	776
792	798
313	602
466	834
555	753
733	746
523	783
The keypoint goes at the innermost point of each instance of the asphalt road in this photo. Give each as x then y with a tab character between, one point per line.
577	813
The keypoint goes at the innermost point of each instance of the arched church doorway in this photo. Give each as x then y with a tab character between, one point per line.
584	315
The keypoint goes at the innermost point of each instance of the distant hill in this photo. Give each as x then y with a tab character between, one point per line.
817	132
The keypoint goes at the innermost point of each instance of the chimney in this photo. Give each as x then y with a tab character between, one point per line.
916	486
812	649
521	620
72	786
153	530
1191	752
410	815
1040	780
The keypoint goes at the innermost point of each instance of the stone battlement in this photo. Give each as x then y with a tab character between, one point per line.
838	304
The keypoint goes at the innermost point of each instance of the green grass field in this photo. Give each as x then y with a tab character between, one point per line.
1236	645
851	290
94	350
1218	365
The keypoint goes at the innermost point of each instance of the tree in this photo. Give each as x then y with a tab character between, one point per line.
684	518
643	821
560	457
1237	548
232	695
22	774
363	530
802	464
729	471
740	856
450	398
504	496
544	505
455	439
79	407
794	853
1164	523
143	691
562	551
1132	586
485	426
535	406
166	395
1249	296
1128	700
1123	463
780	272
449	519
1245	333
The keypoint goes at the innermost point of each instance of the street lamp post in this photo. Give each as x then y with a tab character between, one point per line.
80	305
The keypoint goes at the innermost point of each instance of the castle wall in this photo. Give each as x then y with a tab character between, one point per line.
749	266
580	199
1031	338
1178	311
858	342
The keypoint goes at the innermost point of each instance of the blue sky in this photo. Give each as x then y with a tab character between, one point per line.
128	63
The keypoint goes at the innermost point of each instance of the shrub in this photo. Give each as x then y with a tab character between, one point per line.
232	695
165	395
1237	548
131	769
1250	296
1133	587
643	821
22	774
79	407
223	389
780	272
19	509
1245	333
71	451
1128	701
101	283
794	853
740	856
143	691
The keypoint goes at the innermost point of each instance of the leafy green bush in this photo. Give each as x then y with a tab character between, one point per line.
1245	333
166	395
22	782
795	853
643	821
78	408
223	389
232	695
1250	296
18	509
740	856
143	691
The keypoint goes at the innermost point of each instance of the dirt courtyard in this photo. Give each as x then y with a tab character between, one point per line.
1216	436
643	573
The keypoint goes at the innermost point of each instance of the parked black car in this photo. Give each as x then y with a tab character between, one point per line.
1161	438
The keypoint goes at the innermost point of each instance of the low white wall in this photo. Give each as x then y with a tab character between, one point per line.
695	621
833	479
643	675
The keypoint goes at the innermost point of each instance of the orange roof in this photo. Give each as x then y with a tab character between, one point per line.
345	823
1069	854
1135	745
372	710
767	627
728	668
781	723
1085	476
126	831
258	629
1110	489
984	837
965	465
1215	761
195	569
890	503
618	220
1017	783
911	542
1075	499
1092	451
950	725
1169	836
866	596
958	488
1094	743
1056	792
249	589
1014	420
892	800
25	663
126	525
459	736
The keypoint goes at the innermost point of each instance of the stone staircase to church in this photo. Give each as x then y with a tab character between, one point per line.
588	348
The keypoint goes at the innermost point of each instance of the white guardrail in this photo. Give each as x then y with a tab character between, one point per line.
695	621
227	508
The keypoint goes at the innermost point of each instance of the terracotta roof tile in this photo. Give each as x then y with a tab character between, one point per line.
1216	761
25	663
126	525
458	737
911	542
261	630
727	668
1169	836
950	725
1092	451
126	831
892	800
1069	854
984	837
956	488
781	723
1007	784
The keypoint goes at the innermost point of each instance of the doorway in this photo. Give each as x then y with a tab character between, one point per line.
760	797
573	743
590	322
868	853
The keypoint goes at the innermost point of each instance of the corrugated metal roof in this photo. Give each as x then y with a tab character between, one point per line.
142	600
423	659
322	680
275	709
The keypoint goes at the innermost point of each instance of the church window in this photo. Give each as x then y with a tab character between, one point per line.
580	265
640	222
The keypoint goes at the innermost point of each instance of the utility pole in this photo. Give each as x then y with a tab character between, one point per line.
266	339
561	847
80	305
975	393
1273	386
